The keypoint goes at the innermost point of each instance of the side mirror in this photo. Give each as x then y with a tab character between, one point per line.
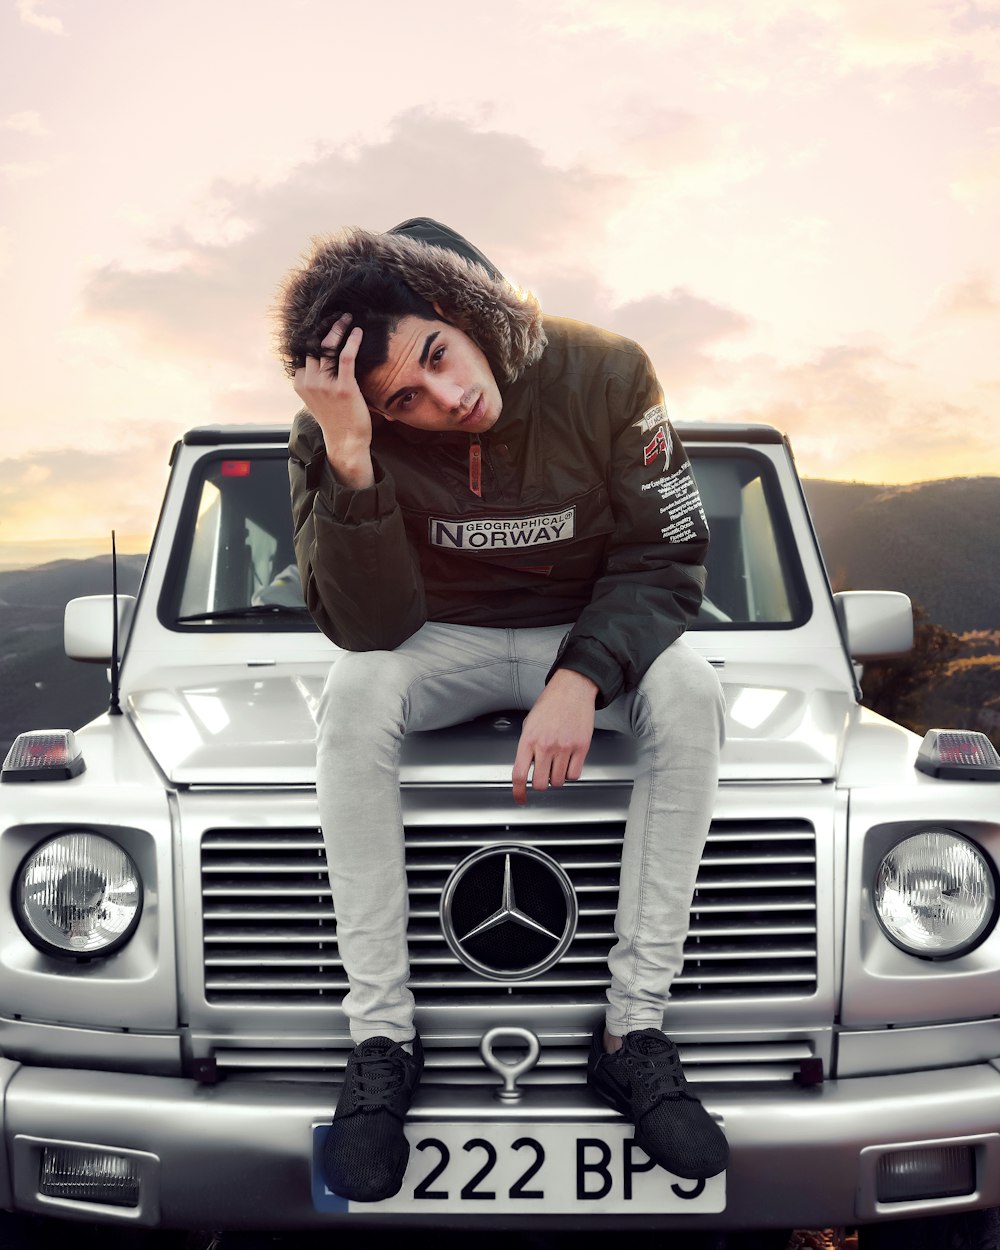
877	624
88	627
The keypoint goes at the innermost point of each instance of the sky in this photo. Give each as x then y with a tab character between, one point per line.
793	206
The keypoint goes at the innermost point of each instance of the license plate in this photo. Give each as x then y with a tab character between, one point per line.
525	1168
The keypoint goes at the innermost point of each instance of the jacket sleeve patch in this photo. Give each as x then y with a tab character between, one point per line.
650	419
661	441
682	504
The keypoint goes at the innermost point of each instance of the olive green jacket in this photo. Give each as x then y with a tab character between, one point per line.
588	514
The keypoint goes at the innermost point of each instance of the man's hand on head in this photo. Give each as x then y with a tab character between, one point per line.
332	395
556	734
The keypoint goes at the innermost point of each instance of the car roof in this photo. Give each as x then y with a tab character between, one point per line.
690	431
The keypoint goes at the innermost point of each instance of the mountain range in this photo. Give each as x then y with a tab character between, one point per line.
39	687
935	541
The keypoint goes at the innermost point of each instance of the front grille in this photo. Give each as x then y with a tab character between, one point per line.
561	1061
270	933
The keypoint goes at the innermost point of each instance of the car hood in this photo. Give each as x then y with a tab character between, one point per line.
257	726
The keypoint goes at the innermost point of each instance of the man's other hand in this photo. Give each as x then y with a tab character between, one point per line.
556	734
332	395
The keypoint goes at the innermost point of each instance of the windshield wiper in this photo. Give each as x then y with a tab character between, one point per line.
247	612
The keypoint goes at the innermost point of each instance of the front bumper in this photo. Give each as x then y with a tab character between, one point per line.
238	1155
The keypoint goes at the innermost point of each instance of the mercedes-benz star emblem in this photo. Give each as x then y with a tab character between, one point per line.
508	912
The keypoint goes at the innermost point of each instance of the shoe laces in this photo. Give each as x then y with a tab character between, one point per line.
655	1062
377	1075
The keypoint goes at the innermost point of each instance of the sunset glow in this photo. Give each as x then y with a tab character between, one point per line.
792	206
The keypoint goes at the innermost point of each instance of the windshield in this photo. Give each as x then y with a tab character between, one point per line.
234	567
754	576
234	563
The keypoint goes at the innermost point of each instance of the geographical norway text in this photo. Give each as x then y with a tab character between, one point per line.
681	503
650	419
498	533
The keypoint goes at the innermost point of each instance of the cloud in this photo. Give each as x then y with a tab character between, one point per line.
974	297
842	393
662	136
854	410
676	152
677	332
22	171
976	183
210	299
845	36
948	35
882	33
645	19
205	293
199	302
828	404
25	123
29	13
50	494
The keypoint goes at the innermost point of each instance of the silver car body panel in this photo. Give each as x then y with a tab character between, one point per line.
237	1155
819	1042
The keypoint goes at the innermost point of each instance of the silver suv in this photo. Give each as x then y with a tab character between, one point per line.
171	1033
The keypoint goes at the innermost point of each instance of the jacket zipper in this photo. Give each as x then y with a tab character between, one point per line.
479	456
476	466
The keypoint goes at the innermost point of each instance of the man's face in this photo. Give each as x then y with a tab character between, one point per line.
435	378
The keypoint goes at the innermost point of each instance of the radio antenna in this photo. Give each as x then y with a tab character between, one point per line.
114	707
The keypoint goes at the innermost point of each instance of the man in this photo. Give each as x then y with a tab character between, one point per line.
491	509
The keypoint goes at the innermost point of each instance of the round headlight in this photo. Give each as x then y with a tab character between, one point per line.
78	894
934	894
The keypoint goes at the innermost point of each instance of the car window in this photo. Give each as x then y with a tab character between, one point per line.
753	574
234	564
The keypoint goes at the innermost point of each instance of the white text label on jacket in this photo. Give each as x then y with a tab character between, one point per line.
502	533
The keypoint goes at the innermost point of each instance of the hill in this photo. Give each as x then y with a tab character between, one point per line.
935	541
40	687
55	583
34	552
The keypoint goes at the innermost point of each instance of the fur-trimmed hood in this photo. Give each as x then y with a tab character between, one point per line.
437	264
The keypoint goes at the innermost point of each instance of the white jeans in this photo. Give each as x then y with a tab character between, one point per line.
445	674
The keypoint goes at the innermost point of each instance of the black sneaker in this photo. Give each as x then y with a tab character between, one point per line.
366	1151
644	1081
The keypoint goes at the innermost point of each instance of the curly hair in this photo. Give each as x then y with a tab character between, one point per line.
381	278
376	299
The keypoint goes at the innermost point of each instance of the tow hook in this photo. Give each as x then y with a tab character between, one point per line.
509	1072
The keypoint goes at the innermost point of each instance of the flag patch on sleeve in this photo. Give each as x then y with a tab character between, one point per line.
661	441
